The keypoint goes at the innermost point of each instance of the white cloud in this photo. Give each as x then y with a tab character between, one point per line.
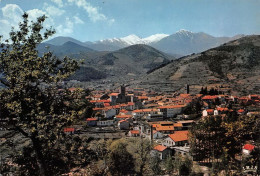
78	20
65	29
12	12
53	11
58	2
92	11
12	15
35	13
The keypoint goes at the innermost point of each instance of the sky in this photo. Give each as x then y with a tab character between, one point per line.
92	20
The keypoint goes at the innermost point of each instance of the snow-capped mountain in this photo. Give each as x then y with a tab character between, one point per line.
182	42
185	42
154	38
133	40
184	32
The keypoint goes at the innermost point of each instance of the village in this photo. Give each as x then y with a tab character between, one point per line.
164	119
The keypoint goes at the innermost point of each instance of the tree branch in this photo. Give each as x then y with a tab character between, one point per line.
4	82
21	131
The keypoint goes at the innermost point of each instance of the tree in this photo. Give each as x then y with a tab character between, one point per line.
120	161
183	165
140	149
207	141
155	164
168	164
32	105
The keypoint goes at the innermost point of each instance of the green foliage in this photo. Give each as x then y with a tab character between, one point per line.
120	161
193	108
33	105
168	164
182	165
140	149
207	141
155	164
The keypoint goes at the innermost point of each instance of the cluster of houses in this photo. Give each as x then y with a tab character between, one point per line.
160	117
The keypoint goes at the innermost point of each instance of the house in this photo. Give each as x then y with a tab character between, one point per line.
248	148
103	123
254	97
182	150
241	111
210	99
100	103
134	133
121	97
138	113
69	130
186	124
165	129
91	121
178	126
123	125
122	117
222	110
178	138
109	112
157	135
171	111
154	116
162	151
207	112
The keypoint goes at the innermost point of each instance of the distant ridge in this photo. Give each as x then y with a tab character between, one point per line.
180	43
186	42
235	64
61	40
67	48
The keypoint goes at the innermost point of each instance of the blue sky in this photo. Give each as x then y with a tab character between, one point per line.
91	20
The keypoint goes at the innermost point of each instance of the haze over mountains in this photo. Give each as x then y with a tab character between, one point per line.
181	43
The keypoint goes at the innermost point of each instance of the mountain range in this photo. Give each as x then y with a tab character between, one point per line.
129	63
234	65
178	44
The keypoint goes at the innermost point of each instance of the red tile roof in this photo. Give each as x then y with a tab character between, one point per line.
210	110
249	147
177	124
172	107
209	97
122	121
114	94
241	110
91	119
130	103
222	109
145	110
142	97
69	129
254	95
163	128
134	132
96	109
179	136
124	110
160	148
106	104
123	116
100	101
72	89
